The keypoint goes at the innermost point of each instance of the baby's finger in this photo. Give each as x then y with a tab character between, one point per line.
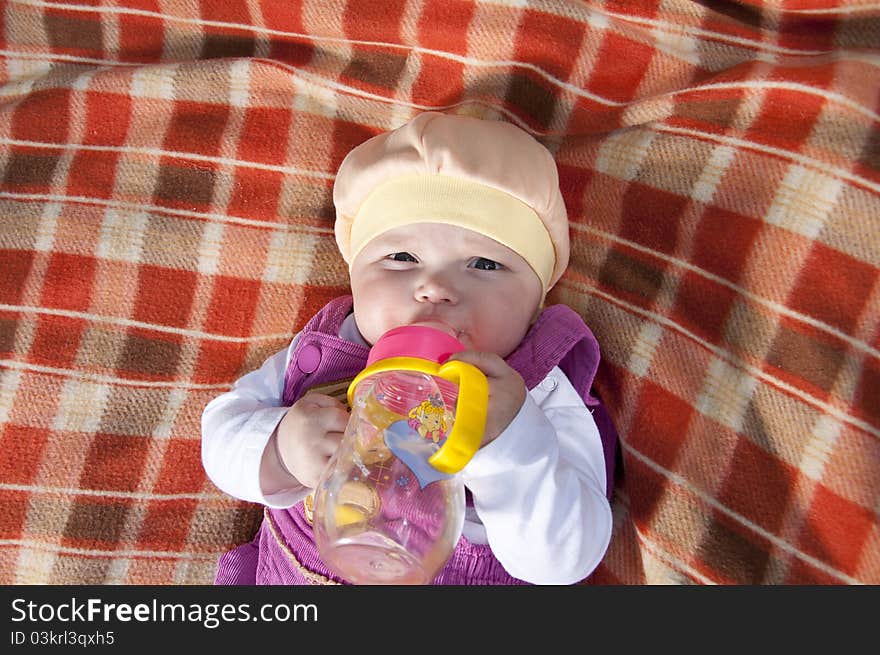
489	363
328	445
332	418
322	400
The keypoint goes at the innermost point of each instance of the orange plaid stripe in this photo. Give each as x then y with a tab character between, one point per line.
166	223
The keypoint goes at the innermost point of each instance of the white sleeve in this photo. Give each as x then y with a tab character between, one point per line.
236	427
539	488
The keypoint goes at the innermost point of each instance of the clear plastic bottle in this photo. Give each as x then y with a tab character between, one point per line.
389	508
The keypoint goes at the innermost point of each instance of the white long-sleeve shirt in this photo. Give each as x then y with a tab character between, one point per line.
538	488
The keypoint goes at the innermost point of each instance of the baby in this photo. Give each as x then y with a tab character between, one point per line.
458	224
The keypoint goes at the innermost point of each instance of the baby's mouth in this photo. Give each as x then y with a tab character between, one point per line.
440	325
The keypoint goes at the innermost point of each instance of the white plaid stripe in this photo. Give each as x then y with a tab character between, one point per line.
622	154
726	393
644	348
122	235
803	201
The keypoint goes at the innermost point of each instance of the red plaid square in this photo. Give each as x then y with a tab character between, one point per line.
21	451
16	267
255	194
56	341
114	463
238	295
833	287
164	296
836	530
624	63
660	426
68	281
181	471
219	361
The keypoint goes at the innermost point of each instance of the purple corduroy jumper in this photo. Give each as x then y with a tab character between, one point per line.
284	552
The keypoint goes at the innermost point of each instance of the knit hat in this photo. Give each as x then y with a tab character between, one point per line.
487	176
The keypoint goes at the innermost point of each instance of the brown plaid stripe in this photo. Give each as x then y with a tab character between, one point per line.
166	223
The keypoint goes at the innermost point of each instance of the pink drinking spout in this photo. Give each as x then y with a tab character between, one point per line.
415	341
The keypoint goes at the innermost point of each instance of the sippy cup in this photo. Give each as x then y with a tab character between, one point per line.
389	507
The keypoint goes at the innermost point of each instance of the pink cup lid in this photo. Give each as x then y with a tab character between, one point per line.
415	341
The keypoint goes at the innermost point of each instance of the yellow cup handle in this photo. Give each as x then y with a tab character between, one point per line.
466	435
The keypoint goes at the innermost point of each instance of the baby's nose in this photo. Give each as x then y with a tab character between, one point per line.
436	289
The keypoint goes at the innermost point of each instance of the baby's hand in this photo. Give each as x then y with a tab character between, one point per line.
309	434
507	391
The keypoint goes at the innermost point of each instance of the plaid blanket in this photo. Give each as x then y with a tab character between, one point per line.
166	223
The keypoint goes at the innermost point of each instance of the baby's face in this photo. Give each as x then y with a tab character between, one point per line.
445	277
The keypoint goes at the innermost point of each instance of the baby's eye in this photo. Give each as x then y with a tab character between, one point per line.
401	257
484	264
